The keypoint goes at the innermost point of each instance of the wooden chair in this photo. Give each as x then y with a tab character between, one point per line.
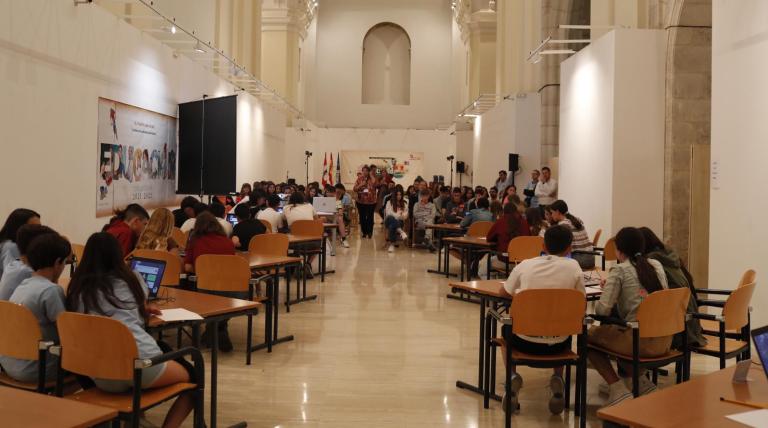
268	225
272	244
596	239
222	274
661	314
77	251
100	347
523	248
545	312
180	237
609	251
172	274
748	277
20	337
734	319
479	229
312	228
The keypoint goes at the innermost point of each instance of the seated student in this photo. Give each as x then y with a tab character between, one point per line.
197	209
424	213
395	214
47	255
298	209
127	225
480	192
185	212
343	201
442	199
246	228
270	214
553	271
258	202
481	213
19	270
208	237
536	224
157	234
581	241
453	210
627	285
245	193
220	212
8	249
496	206
104	285
510	225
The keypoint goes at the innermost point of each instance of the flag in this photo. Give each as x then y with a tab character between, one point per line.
330	170
338	168
325	169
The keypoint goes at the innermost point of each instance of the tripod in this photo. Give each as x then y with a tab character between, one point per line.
307	155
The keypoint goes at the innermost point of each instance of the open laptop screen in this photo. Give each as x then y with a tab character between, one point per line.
152	272
760	337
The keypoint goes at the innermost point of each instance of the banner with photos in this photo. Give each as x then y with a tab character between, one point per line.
137	158
404	166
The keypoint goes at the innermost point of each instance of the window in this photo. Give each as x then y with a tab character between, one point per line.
387	65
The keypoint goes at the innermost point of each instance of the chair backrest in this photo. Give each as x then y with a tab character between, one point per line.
95	346
662	313
20	334
548	312
268	225
747	277
307	227
479	229
609	251
736	309
222	273
524	247
269	244
180	237
172	265
77	250
596	239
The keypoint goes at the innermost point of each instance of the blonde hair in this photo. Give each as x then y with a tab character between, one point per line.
157	232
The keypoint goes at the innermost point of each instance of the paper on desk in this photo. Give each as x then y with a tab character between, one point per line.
171	315
754	418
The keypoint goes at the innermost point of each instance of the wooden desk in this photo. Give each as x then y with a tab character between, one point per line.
213	309
440	231
695	403
294	240
24	409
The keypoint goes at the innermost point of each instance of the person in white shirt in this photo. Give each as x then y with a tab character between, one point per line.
270	214
395	214
546	191
552	271
297	209
199	208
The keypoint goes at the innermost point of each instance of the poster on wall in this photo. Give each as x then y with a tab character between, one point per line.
404	166
137	158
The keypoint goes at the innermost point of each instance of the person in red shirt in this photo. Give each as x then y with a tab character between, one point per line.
208	237
510	225
127	226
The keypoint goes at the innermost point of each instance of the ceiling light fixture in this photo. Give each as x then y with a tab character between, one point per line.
557	52
199	47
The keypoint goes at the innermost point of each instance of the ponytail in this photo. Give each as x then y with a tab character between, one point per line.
561	207
630	241
577	224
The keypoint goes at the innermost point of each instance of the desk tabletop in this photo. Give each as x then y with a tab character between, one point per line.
491	288
469	240
31	410
450	227
695	403
206	305
299	239
257	261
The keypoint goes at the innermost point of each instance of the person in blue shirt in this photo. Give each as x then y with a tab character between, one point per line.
8	249
19	270
481	213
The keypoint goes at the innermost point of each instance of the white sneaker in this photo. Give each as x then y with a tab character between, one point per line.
391	248
403	235
645	384
617	392
557	401
516	383
344	243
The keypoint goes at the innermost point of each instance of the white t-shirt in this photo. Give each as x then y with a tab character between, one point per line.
274	218
544	190
189	224
298	212
551	272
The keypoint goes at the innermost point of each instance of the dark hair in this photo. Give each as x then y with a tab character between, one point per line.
188	202
101	265
631	243
513	219
340	186
561	207
652	242
456	190
47	249
425	192
557	239
206	223
243	212
249	187
218	210
546	168
393	199
273	200
482	203
444	189
502	172
535	220
200	208
28	233
297	198
300	188
130	212
17	218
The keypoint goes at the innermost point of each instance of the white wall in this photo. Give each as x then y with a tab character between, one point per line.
513	126
341	27
56	60
611	164
739	196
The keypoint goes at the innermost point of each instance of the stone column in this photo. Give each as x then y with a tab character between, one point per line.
482	56
238	32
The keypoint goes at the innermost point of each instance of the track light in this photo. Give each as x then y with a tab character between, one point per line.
199	47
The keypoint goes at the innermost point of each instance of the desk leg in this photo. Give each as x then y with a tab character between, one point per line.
478	389
463	259
322	262
439	238
214	369
271	336
447	261
333	241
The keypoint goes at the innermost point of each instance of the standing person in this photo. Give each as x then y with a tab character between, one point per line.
365	187
157	234
185	212
395	214
581	241
271	213
530	190
8	249
424	213
629	282
246	228
546	190
19	270
551	271
104	285
127	225
501	183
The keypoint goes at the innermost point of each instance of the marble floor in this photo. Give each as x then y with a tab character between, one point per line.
381	347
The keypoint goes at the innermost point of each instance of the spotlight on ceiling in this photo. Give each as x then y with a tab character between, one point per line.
199	47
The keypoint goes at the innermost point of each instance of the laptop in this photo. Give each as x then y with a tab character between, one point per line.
232	219
760	337
152	272
324	205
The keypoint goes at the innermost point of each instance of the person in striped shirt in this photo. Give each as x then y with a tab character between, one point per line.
582	245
